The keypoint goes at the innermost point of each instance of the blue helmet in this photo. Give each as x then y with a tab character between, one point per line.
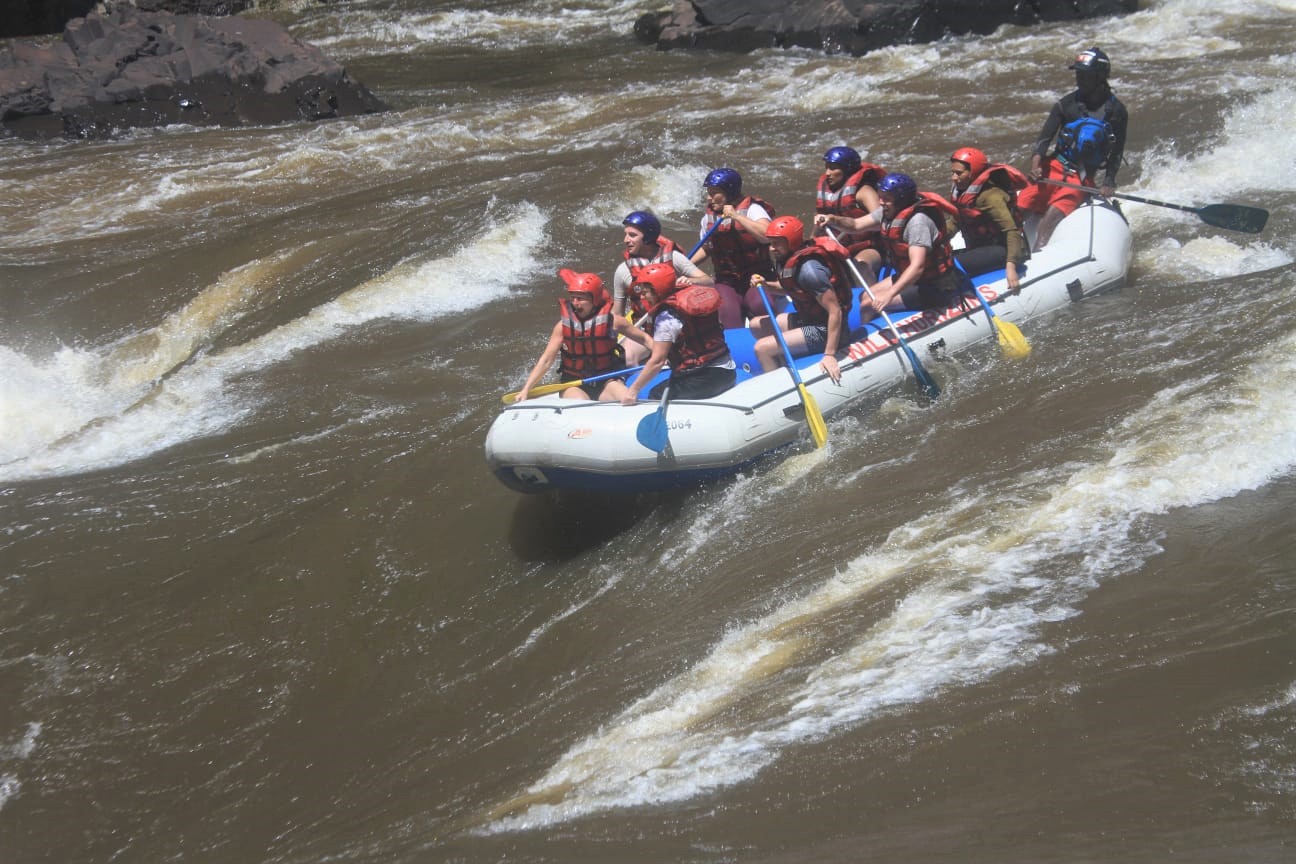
645	222
901	187
727	180
846	157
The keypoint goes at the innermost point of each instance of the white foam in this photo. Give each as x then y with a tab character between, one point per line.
990	577
26	745
64	414
671	191
533	23
9	788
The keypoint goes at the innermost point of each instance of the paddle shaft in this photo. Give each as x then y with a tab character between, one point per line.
924	378
1233	217
705	237
510	398
818	429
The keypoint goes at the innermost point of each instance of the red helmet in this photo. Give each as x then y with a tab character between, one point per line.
789	228
585	283
972	157
660	276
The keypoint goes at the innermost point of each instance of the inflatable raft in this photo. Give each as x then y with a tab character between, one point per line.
549	443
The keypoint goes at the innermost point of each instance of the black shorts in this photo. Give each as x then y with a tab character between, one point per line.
982	259
700	383
938	293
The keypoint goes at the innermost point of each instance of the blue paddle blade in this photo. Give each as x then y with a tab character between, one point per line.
920	372
651	432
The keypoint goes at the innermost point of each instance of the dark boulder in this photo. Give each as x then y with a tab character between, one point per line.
40	17
132	68
849	26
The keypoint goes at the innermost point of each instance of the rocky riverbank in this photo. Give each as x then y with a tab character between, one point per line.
849	26
130	68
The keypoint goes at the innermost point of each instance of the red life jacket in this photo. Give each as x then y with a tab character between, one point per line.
977	227
941	258
666	249
841	202
833	255
589	347
736	253
702	339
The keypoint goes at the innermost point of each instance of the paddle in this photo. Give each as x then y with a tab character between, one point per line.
510	398
814	418
705	237
651	431
924	377
1231	217
1011	340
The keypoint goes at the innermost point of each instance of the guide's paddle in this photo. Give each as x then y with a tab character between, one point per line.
1231	217
924	377
814	417
651	431
1011	340
510	398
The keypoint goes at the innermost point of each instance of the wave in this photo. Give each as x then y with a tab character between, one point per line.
85	409
990	573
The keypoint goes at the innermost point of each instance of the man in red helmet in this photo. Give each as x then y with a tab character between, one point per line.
986	198
1089	125
815	277
682	325
586	337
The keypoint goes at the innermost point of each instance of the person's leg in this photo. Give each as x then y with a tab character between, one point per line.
754	307
869	263
613	390
581	392
1051	219
731	306
768	351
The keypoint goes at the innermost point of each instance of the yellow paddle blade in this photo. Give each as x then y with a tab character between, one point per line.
814	417
510	398
1011	339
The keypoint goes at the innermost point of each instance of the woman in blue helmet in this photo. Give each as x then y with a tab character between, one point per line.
915	245
738	249
643	244
848	187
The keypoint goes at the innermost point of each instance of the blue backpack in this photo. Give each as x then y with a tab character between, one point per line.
1083	145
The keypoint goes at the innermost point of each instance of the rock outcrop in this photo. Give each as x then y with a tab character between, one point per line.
131	68
41	17
849	26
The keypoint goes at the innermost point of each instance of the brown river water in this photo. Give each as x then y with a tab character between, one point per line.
261	600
